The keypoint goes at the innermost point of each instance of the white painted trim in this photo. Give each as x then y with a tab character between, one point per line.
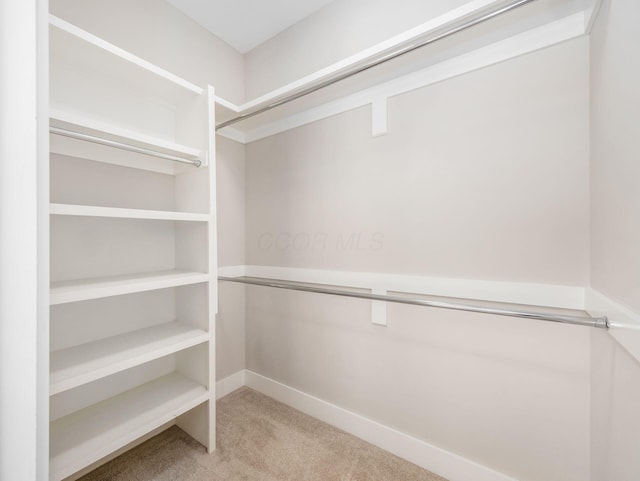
233	134
192	423
44	245
24	240
227	104
230	383
624	323
550	295
426	455
232	271
566	28
591	14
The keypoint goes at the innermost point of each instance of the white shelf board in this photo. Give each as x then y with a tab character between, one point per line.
99	56
86	436
533	17
121	213
95	288
78	123
78	365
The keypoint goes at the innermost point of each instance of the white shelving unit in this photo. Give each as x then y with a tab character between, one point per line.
133	299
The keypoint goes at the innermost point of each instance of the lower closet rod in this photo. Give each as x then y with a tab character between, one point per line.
599	322
122	146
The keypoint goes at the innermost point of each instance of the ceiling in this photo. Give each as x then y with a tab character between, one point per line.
245	24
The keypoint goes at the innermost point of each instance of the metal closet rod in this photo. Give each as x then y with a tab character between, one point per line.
599	322
456	28
122	146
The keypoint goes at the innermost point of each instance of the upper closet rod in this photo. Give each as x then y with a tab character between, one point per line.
600	322
120	145
483	17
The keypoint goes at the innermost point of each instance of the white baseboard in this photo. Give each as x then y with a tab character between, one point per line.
430	457
229	384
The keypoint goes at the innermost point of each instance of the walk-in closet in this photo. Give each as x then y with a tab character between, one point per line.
319	240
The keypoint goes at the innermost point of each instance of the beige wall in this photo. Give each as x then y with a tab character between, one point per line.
230	157
509	394
615	233
334	32
615	420
230	323
159	33
483	176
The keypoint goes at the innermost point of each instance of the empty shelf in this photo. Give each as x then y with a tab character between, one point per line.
84	437
95	288
97	55
117	212
81	364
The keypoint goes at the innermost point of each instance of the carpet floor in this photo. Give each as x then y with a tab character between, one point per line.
260	439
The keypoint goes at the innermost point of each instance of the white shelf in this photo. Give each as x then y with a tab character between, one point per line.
84	125
95	288
84	437
526	29
100	56
121	213
85	363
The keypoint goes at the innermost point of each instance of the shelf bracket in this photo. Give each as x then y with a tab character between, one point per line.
379	308
379	117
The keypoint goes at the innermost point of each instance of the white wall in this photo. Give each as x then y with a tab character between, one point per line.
483	176
158	32
615	233
23	231
334	32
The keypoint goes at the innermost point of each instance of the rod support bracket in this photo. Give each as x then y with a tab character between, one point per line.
379	117
379	308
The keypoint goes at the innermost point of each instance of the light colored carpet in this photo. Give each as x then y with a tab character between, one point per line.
260	439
